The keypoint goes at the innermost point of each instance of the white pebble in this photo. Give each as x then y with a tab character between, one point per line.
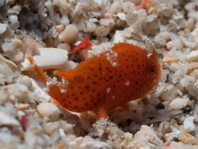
6	48
67	127
64	46
121	16
14	23
118	37
189	124
128	135
69	35
179	103
62	133
7	120
186	80
51	127
13	18
3	28
193	56
107	22
23	88
48	110
92	144
91	27
99	2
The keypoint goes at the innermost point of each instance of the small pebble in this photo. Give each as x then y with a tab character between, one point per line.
60	28
50	127
22	106
48	110
13	19
3	27
64	46
69	35
7	120
193	56
95	145
178	103
189	124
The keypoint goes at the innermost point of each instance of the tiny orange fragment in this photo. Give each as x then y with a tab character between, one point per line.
85	43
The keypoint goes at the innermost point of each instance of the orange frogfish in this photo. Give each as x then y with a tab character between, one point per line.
103	82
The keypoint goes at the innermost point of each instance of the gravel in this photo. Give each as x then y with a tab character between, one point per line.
167	117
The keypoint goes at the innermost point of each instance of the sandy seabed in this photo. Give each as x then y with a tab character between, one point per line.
166	118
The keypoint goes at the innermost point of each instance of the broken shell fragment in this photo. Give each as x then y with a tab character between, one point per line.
48	58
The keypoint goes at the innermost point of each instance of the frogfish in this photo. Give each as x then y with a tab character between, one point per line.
102	82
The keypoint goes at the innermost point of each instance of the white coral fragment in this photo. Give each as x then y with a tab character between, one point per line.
48	58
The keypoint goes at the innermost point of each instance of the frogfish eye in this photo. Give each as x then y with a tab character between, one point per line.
152	68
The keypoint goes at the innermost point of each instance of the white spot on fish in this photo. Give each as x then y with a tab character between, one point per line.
127	83
63	90
114	64
108	90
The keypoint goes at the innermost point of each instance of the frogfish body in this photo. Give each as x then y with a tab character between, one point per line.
112	79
